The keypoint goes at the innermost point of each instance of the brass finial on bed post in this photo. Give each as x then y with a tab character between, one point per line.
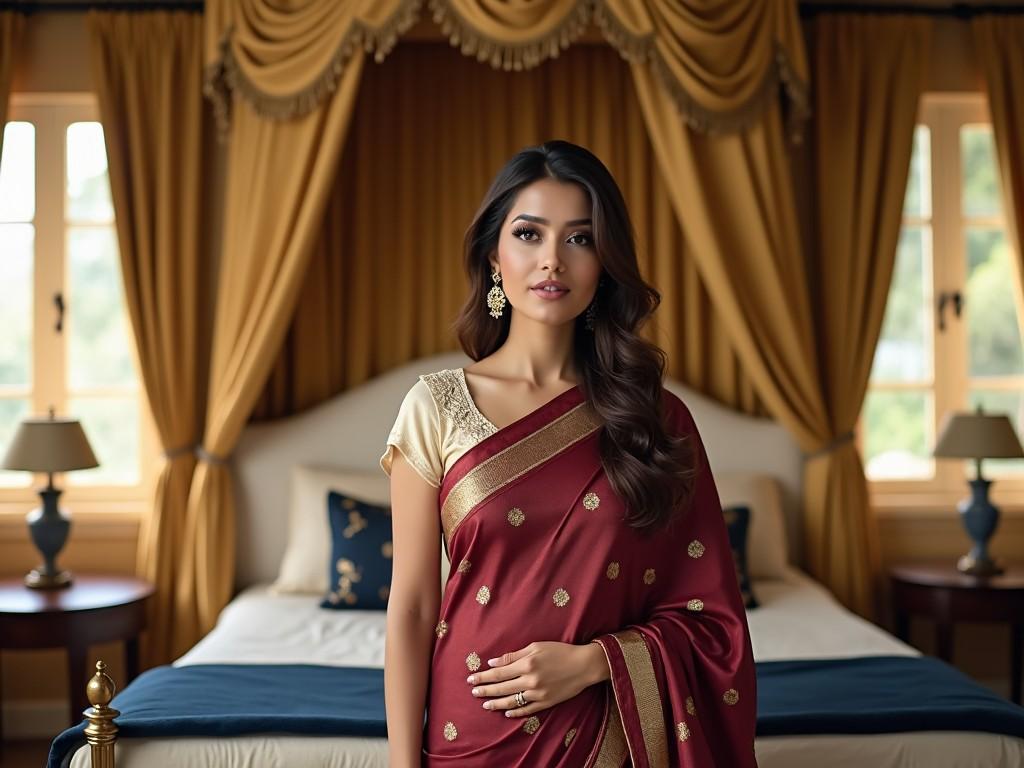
101	732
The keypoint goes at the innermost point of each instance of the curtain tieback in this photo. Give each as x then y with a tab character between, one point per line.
844	438
172	453
209	458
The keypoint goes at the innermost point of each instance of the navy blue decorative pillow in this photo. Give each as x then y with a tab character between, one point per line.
359	573
737	522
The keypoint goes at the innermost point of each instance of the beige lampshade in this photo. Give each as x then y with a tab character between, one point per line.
978	436
49	445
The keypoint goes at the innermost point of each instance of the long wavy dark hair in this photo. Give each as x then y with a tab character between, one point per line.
620	373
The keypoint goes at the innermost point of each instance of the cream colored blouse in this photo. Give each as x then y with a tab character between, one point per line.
437	423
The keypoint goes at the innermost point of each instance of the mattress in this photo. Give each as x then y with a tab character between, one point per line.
797	619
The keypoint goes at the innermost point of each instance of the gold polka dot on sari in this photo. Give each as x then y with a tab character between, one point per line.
561	597
683	730
649	576
450	732
464	565
695	605
731	696
441	629
695	550
516	516
690	708
591	501
612	571
473	661
483	595
568	736
532	724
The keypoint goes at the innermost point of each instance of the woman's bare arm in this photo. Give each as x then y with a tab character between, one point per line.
413	606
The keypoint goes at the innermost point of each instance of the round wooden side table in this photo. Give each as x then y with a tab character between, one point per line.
940	592
94	609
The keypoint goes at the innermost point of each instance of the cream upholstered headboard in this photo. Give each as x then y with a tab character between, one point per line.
349	431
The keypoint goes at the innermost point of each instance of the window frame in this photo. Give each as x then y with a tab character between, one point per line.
51	113
944	114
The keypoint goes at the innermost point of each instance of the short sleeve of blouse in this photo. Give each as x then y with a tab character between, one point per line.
416	434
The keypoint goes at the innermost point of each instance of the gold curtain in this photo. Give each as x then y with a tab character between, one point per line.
999	43
387	277
11	25
279	176
721	62
148	69
869	72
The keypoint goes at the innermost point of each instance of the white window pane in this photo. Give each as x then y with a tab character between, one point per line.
980	193
994	343
918	200
98	341
112	426
1012	404
12	411
899	440
904	351
88	190
16	304
18	173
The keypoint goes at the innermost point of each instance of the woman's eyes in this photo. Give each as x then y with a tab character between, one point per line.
532	231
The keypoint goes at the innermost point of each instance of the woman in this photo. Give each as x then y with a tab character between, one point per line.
592	615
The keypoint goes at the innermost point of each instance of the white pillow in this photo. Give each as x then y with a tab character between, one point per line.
308	550
767	553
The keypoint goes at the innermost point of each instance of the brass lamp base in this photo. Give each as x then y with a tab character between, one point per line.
979	567
37	580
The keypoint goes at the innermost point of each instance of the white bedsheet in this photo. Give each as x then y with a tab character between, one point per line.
798	619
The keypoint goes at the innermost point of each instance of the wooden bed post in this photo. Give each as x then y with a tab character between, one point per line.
101	732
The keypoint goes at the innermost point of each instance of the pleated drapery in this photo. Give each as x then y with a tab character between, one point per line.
869	72
148	68
387	278
999	43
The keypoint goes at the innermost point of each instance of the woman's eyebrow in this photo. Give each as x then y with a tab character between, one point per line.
542	220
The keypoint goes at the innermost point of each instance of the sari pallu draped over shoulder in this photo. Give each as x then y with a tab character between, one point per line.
540	551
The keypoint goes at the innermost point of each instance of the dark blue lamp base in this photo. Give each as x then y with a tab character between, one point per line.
980	518
48	526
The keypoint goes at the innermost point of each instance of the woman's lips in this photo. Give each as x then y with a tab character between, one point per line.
549	295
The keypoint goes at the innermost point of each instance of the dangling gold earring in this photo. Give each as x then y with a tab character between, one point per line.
496	296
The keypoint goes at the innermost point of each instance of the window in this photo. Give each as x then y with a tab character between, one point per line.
65	337
951	334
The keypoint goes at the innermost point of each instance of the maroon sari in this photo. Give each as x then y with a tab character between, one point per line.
539	551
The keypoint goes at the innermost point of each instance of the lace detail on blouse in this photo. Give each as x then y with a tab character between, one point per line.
448	387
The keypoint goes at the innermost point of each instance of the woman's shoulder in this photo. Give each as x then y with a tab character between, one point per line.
677	413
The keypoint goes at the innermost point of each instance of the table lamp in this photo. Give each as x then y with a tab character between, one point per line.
978	436
49	445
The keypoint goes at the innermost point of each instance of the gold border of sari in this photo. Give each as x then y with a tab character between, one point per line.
613	749
513	462
644	684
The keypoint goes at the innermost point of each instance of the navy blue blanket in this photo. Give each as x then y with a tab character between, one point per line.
872	694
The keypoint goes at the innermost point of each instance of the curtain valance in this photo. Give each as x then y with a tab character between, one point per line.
721	62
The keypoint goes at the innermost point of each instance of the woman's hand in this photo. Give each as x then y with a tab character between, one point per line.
548	672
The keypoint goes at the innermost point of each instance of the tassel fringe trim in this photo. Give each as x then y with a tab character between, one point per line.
510	56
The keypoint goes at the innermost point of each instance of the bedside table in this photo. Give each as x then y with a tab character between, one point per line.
94	609
940	592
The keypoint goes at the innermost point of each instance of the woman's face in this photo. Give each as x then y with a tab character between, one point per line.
547	235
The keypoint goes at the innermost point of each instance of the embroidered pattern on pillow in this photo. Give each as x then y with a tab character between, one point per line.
359	570
737	522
